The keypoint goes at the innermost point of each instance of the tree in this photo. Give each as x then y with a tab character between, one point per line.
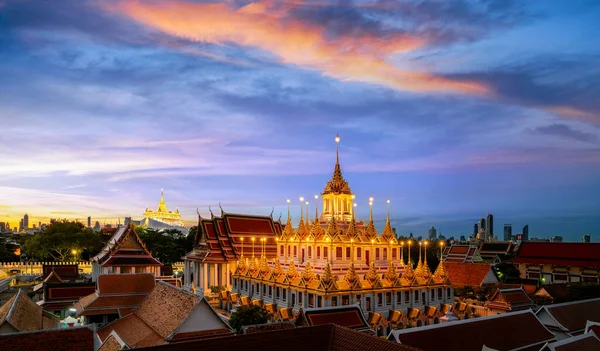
63	241
248	315
167	246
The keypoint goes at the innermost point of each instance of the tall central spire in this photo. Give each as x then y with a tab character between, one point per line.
337	184
337	196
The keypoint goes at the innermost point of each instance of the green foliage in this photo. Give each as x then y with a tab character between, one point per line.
248	315
505	271
166	246
59	240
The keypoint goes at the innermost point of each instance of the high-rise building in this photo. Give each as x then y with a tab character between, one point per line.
475	229
557	239
587	238
462	238
26	221
507	232
432	233
89	222
21	225
481	225
2	227
526	232
489	226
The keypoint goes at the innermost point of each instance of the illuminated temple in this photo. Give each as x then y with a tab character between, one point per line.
328	259
162	218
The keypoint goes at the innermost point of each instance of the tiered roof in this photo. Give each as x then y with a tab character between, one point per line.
586	255
225	238
461	253
125	248
21	314
346	316
167	315
489	251
472	274
510	300
508	331
116	294
570	317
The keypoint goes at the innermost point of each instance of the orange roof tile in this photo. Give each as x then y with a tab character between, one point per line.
472	274
132	330
125	283
25	315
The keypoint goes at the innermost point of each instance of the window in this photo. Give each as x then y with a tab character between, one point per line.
589	279
399	297
432	297
406	296
334	301
319	301
377	253
358	253
311	300
448	293
125	269
379	299
388	298
284	295
295	251
439	293
348	253
289	250
318	252
325	252
140	269
562	277
270	291
309	251
345	300
384	253
533	275
281	250
300	298
277	292
234	283
416	296
394	253
338	253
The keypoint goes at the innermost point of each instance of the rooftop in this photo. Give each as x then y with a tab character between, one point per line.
68	339
23	315
510	300
585	342
318	338
506	331
570	316
472	274
567	254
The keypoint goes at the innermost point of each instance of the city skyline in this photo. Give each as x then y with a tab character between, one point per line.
109	103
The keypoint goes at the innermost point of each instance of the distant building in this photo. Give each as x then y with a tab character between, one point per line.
21	225
462	238
97	227
26	221
507	232
489	226
587	238
475	229
526	232
2	227
89	222
557	239
482	225
432	233
558	262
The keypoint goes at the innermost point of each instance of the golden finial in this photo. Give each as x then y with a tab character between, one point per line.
388	232
306	212
332	229
372	274
288	231
391	274
292	272
419	264
351	275
308	272
327	275
277	269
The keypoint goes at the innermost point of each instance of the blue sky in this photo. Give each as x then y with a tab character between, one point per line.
448	108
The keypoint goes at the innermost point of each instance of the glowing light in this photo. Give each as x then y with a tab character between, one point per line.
316	197
288	201
252	238
301	198
371	199
372	241
337	139
388	201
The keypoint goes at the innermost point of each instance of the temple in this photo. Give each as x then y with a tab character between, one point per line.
329	260
162	218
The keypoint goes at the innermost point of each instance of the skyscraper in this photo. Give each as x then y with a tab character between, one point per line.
432	233
526	232
475	229
21	225
481	224
489	228
89	224
587	238
2	227
25	221
507	232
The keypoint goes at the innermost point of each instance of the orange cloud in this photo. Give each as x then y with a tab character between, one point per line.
576	114
262	25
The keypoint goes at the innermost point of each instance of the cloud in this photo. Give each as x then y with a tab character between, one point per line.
564	131
359	57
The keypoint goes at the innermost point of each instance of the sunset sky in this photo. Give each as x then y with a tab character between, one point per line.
450	109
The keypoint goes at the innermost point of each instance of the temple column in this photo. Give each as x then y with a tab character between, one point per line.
227	275
204	280
185	274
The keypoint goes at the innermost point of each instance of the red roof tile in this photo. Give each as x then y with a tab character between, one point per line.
71	339
125	283
472	274
510	300
346	316
25	315
501	332
572	316
319	338
568	254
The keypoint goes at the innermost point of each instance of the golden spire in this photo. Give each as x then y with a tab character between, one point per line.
420	264
252	266
425	271
391	274
317	208
352	231
308	272
371	231
351	275
327	275
372	274
440	271
292	272
264	265
332	229
277	269
288	231
301	230
316	230
337	184
388	232
402	254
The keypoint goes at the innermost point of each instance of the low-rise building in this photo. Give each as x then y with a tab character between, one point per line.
471	274
509	300
559	262
21	314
